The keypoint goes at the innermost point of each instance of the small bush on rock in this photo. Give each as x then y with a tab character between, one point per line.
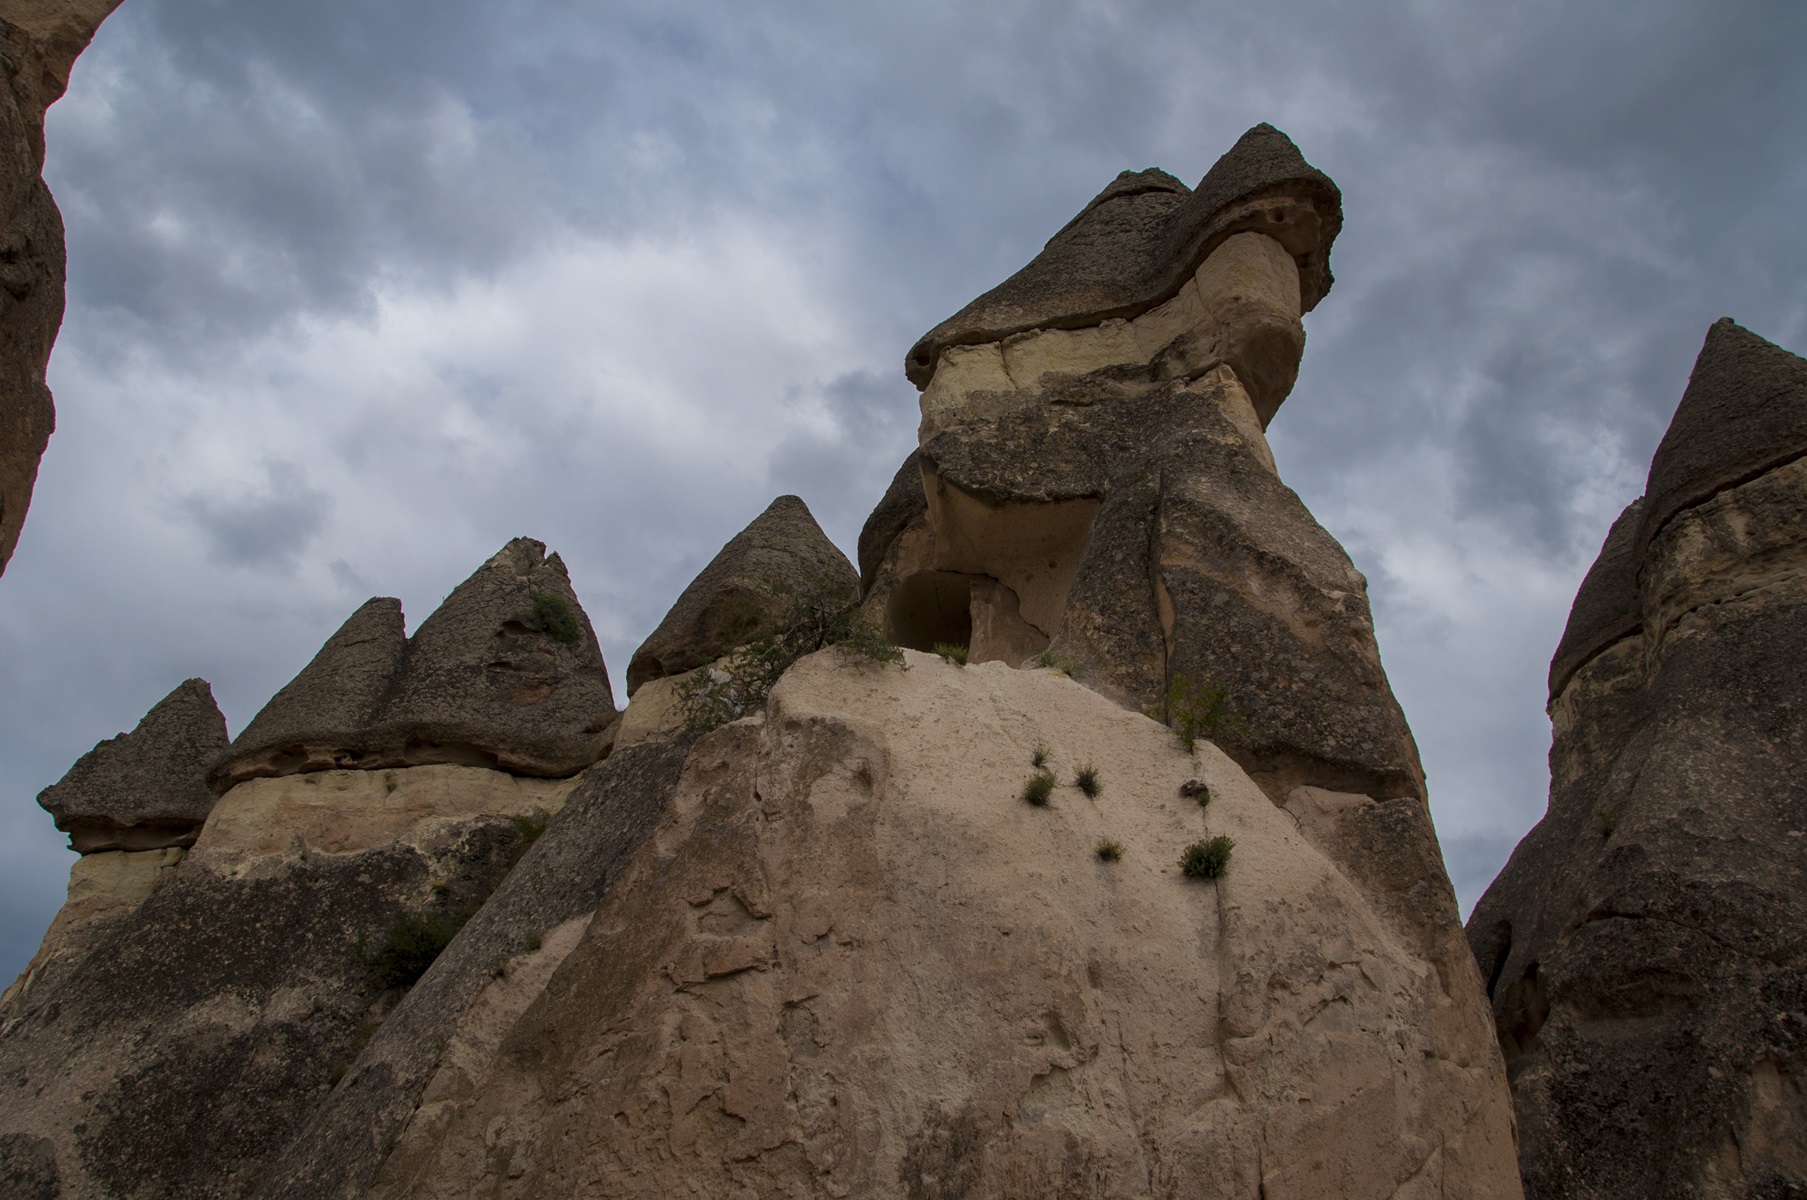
1038	758
1207	859
552	616
1108	850
1048	660
1086	780
1193	708
409	946
1194	789
953	652
1039	788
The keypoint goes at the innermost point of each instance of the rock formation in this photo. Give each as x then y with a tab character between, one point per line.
743	590
147	789
39	41
1646	946
506	673
827	949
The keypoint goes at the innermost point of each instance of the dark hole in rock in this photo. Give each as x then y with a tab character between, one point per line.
931	607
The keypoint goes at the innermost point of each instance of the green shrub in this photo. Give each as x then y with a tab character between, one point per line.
1086	780
529	826
953	652
817	615
1038	758
554	617
1048	660
1194	789
1039	788
1207	859
408	947
1193	708
532	942
1108	850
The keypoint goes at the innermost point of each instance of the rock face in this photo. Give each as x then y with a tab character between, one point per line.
147	789
850	960
39	42
743	590
506	673
1646	946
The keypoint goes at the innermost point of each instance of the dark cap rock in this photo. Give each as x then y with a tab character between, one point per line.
146	789
506	673
1607	607
743	590
1744	412
1138	241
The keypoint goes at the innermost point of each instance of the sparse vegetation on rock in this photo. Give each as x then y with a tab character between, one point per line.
1086	780
1108	850
1207	859
1039	788
953	652
552	616
401	954
1193	708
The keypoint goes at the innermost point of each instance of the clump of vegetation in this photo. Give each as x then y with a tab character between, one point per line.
953	652
1207	859
816	615
1193	708
1051	661
408	947
1196	789
529	826
532	941
1086	780
1039	788
552	616
1038	758
1108	850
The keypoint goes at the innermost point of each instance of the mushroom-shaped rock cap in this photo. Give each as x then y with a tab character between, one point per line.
509	666
1142	237
146	789
744	590
1744	412
1608	606
506	673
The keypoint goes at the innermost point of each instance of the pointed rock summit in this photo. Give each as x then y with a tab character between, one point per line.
147	789
506	673
1645	948
745	588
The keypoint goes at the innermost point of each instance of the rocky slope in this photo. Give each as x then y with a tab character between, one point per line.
1646	946
834	947
39	42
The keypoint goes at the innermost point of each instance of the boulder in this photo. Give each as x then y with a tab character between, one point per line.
506	673
147	789
1644	948
39	43
747	588
848	959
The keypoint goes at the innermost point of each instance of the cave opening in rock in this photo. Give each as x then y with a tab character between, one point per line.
931	607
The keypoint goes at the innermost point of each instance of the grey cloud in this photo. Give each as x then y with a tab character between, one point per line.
269	525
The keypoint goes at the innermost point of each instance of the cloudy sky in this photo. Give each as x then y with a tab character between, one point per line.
357	292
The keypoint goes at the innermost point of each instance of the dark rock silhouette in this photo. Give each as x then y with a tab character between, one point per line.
1646	946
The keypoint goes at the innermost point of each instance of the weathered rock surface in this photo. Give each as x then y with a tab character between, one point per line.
39	42
849	960
186	1016
147	789
747	587
1646	946
506	673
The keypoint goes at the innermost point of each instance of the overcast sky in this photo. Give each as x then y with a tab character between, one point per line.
359	291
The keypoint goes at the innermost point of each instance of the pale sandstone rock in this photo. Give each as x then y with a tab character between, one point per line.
654	714
39	42
851	961
1644	947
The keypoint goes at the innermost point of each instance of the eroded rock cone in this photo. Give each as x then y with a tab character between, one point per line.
745	590
506	673
1645	947
40	42
147	789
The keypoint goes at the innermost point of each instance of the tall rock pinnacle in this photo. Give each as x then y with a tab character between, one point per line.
1645	949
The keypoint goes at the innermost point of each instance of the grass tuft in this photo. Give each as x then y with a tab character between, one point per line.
1038	758
1086	780
1193	708
404	951
1207	859
552	615
953	652
1048	660
1039	788
1108	850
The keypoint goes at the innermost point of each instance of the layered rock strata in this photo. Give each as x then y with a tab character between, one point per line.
39	42
506	673
1644	948
744	591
